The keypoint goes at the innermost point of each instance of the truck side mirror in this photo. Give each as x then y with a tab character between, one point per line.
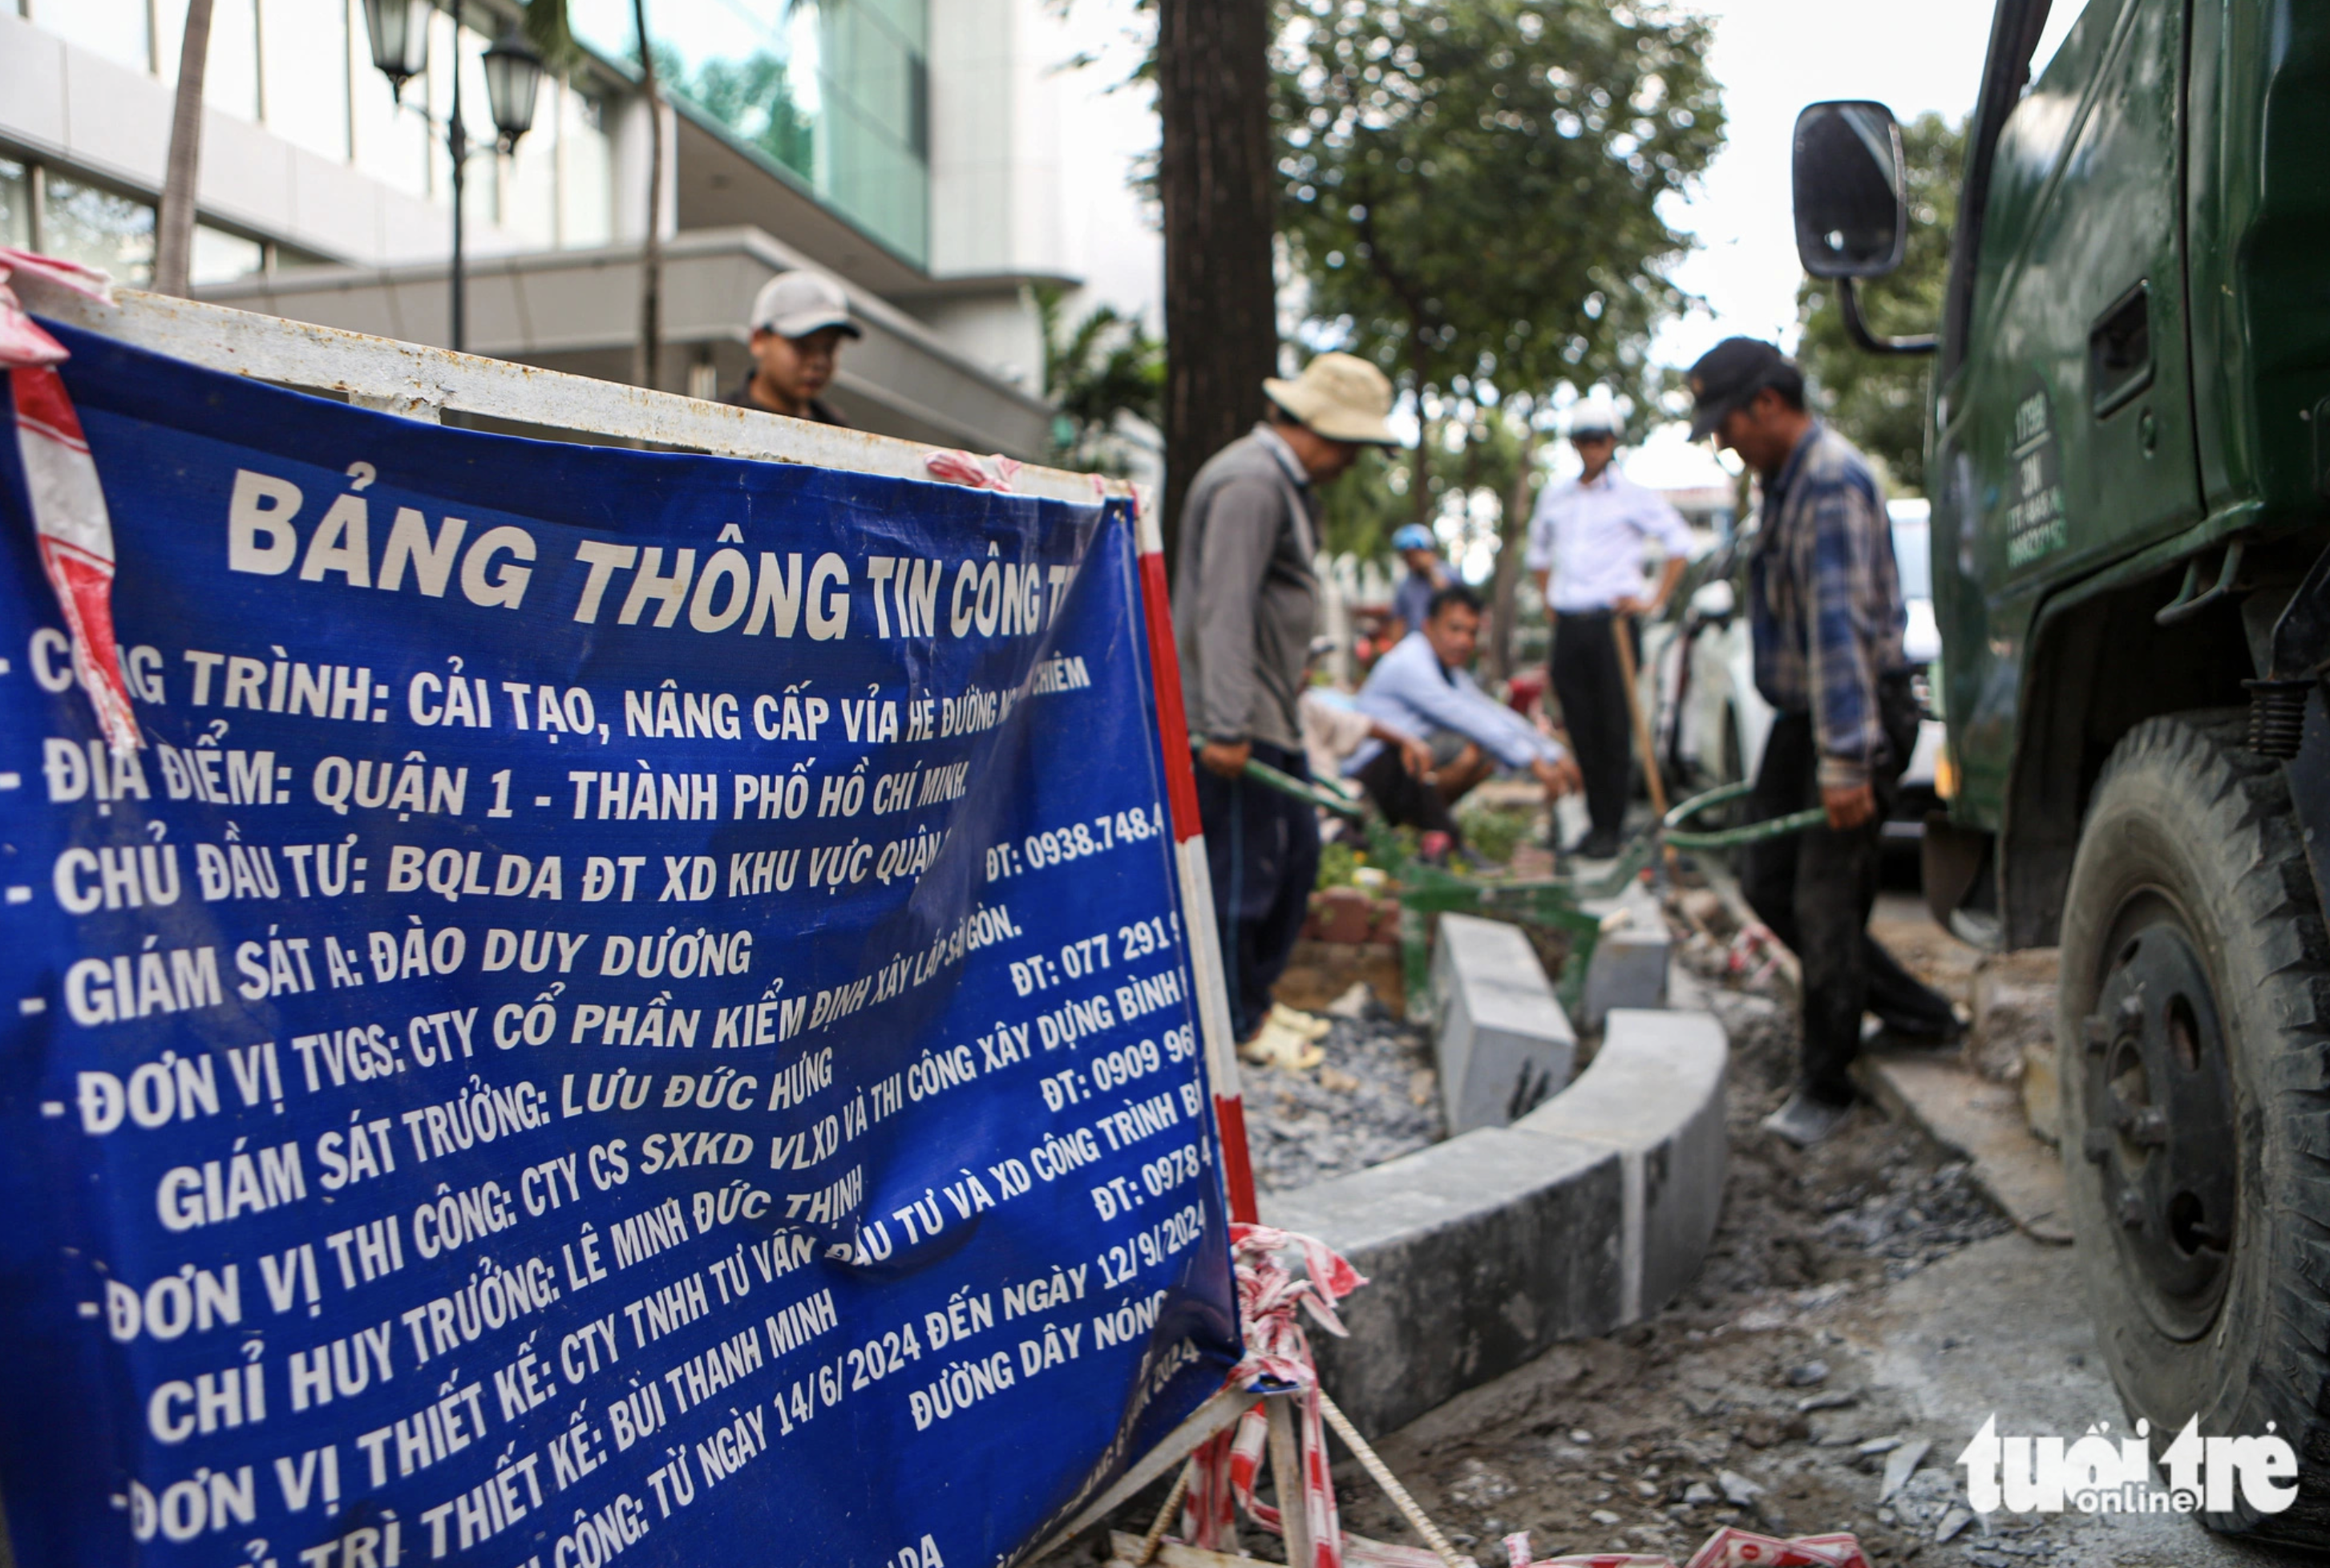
1851	219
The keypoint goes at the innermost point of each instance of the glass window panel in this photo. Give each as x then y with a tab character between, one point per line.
231	74
304	61
836	91
220	258
119	30
15	204
908	21
98	227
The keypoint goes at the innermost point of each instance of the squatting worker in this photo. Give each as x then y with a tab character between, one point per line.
1425	687
1586	550
798	321
1824	611
1243	602
1425	577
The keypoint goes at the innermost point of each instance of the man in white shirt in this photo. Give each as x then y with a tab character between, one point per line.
1586	551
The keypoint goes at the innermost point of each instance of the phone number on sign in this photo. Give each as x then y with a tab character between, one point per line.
1060	846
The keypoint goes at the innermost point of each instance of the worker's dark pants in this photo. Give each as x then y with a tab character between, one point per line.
1593	693
1261	848
1815	889
1406	799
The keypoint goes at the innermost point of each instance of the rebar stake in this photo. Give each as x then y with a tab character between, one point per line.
1408	1507
1155	1536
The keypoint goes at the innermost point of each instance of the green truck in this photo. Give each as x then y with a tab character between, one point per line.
2129	457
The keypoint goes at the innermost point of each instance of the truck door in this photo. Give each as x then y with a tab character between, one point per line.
2068	435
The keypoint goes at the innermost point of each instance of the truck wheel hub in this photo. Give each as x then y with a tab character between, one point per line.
2159	1107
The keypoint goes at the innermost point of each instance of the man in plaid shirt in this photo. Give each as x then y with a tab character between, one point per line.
1824	608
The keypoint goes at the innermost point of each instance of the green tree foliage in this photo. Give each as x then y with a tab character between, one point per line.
552	36
1105	366
1470	188
1879	400
1362	510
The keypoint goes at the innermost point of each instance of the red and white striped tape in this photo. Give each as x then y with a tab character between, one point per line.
1278	1352
75	532
1729	1547
961	467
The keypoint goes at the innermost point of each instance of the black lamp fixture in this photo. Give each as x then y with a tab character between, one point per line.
513	77
399	32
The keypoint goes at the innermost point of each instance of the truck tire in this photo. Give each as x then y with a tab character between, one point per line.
2195	1098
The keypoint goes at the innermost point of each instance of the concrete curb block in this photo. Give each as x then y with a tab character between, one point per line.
1591	1211
1502	1041
1483	1251
1655	1095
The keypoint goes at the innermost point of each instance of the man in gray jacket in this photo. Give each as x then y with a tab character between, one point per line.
1244	605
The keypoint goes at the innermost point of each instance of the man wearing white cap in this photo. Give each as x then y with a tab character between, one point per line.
1244	599
798	321
1586	550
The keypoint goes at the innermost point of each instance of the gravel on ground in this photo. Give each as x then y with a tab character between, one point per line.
1374	1097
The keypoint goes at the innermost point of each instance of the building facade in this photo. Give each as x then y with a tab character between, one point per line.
911	149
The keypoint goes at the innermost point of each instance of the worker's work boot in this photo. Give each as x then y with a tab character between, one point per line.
1804	1121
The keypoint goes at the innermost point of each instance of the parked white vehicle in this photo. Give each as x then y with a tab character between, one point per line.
1698	672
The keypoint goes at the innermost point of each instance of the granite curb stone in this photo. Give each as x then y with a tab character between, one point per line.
1501	1040
1656	1095
1592	1210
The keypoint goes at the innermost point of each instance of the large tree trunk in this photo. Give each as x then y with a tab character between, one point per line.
648	350
1512	529
174	227
1215	178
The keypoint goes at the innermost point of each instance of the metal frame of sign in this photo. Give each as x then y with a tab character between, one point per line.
427	384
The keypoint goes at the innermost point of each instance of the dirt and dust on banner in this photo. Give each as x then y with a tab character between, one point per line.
627	1008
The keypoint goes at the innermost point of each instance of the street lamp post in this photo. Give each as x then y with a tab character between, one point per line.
398	31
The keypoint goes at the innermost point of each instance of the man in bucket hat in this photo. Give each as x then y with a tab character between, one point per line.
1244	605
1824	611
798	320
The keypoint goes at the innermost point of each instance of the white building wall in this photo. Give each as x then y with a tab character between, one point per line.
630	138
979	192
1109	236
1031	164
998	329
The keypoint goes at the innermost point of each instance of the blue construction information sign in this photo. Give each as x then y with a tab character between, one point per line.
627	1008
